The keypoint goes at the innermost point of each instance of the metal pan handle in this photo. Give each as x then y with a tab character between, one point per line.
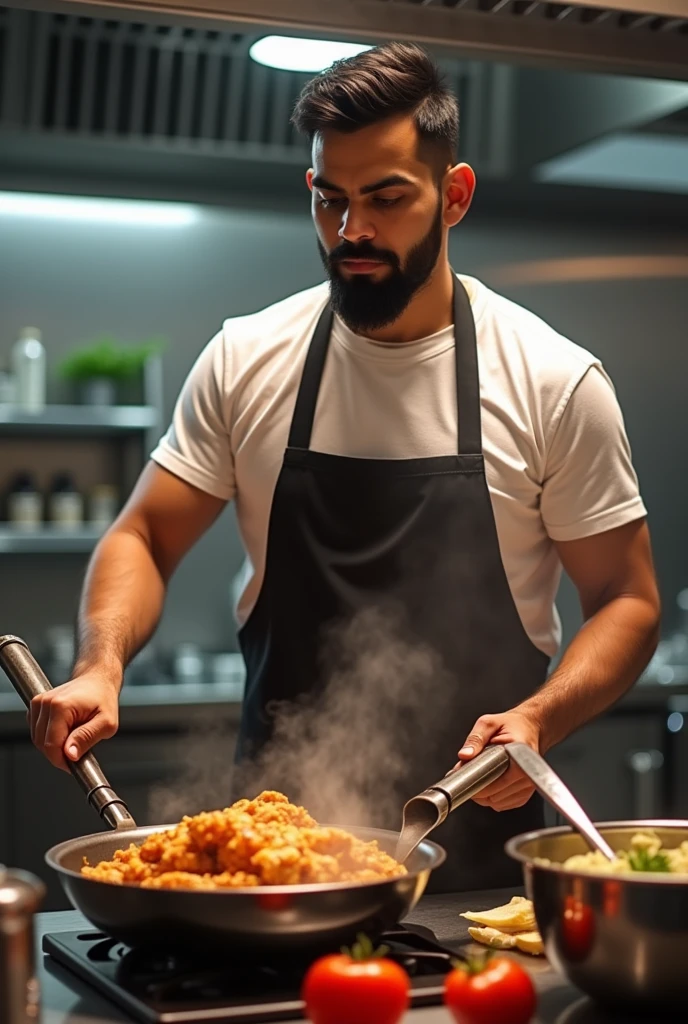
28	679
463	783
425	812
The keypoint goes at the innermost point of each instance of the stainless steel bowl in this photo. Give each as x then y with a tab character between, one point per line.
622	939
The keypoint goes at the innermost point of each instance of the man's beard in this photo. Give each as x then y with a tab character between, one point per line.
367	305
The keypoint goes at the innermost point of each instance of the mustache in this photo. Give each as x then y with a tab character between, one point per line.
362	251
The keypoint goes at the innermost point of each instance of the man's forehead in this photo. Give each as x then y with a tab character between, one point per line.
354	159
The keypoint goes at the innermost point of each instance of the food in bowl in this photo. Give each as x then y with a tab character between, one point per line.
645	855
511	926
265	841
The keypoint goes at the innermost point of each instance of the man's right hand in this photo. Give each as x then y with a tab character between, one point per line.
70	719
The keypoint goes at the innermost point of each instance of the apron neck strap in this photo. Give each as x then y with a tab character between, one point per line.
467	377
307	397
467	380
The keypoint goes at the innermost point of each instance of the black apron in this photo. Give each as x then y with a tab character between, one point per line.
384	627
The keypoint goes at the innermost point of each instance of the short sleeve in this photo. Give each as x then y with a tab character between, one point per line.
590	485
197	446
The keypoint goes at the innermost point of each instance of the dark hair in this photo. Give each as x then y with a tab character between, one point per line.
387	81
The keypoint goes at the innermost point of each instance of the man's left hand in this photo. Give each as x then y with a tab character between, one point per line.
513	788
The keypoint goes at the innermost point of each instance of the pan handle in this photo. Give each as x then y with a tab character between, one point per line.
463	783
28	679
425	812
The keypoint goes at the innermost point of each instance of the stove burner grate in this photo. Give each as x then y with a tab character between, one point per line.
162	986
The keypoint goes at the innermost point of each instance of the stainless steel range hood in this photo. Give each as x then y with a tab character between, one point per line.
137	102
648	38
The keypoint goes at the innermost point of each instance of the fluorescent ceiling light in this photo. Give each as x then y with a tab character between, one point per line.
291	54
101	211
650	162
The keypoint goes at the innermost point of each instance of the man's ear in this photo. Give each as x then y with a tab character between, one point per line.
309	178
459	187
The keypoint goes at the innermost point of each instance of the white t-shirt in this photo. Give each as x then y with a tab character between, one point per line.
557	458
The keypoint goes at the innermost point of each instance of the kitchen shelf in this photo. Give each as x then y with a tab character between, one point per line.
79	419
48	540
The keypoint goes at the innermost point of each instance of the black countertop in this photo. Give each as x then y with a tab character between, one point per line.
66	1000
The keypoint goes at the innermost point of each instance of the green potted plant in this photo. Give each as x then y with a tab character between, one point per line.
98	369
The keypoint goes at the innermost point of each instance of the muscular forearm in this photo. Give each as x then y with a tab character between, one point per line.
615	579
120	605
603	660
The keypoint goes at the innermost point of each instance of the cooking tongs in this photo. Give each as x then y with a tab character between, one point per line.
28	679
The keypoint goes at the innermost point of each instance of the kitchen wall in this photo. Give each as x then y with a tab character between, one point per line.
76	280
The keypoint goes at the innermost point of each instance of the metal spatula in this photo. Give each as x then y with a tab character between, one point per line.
547	782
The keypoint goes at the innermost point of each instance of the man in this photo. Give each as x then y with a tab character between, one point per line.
413	459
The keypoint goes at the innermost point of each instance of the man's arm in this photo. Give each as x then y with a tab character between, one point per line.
120	607
615	579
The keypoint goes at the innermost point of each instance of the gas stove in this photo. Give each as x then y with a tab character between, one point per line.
158	986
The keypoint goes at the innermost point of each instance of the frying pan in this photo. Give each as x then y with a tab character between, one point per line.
290	918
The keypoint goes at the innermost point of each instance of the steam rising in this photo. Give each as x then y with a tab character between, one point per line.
204	759
346	755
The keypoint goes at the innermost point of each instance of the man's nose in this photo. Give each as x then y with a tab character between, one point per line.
355	226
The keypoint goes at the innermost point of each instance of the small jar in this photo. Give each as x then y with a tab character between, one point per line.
65	504
24	504
102	506
21	894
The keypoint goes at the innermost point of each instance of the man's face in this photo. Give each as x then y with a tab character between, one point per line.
379	218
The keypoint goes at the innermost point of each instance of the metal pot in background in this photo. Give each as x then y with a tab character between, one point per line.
21	894
188	664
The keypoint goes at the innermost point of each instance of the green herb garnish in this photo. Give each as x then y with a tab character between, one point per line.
642	860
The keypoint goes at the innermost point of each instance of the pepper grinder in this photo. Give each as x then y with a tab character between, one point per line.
20	896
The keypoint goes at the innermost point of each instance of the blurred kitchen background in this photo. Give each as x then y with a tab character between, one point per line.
151	186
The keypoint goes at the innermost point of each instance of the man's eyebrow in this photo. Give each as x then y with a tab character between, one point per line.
376	186
388	182
320	182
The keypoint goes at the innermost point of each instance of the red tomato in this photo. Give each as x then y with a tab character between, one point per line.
360	987
577	928
492	990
